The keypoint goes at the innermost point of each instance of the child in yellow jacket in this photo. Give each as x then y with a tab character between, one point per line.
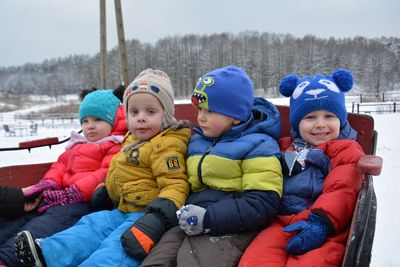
146	181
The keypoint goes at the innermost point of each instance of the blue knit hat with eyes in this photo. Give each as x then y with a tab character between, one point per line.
227	90
102	104
318	92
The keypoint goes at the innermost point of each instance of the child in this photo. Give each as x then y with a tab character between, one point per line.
13	203
233	171
148	175
69	184
321	182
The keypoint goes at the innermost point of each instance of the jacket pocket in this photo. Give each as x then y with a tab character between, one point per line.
139	195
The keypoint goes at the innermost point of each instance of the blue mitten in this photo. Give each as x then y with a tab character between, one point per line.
191	219
313	234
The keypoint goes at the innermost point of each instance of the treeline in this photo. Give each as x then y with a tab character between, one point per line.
266	57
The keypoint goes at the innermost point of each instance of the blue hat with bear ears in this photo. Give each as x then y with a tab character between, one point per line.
318	92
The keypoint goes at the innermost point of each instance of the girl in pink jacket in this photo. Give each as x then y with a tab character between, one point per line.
67	187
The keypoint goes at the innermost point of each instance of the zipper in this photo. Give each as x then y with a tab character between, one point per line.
199	173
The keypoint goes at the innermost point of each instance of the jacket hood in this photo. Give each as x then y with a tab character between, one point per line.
266	118
120	127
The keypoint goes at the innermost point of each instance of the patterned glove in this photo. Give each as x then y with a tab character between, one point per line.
313	234
191	219
53	198
33	191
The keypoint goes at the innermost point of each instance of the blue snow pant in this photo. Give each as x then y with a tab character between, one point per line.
95	240
45	224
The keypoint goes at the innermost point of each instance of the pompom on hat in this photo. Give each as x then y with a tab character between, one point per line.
100	103
226	90
318	92
158	84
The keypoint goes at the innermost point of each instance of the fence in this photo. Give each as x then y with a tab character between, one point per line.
43	120
374	97
374	107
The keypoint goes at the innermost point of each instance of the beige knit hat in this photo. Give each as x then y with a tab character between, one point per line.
158	84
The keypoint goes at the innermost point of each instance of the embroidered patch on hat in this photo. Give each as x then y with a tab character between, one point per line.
199	97
155	89
173	163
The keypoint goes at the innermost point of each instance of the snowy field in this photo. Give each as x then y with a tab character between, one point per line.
387	185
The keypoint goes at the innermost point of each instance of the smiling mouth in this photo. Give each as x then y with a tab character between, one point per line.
320	134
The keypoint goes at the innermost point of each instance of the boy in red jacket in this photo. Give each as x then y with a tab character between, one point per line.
321	182
68	186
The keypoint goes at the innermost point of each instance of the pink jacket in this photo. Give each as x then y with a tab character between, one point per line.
86	164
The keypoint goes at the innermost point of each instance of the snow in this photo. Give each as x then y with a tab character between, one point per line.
387	185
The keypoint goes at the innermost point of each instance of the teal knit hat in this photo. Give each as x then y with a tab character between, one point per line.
102	104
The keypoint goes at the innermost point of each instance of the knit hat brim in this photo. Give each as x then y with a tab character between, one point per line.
297	114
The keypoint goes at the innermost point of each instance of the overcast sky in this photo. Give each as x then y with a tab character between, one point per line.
35	30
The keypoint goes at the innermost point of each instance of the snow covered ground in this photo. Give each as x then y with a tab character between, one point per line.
387	185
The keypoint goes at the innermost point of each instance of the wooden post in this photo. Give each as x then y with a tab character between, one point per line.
121	42
103	45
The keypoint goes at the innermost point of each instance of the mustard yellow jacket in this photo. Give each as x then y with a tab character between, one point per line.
139	173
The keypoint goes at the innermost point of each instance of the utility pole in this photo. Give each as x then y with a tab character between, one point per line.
103	45
121	42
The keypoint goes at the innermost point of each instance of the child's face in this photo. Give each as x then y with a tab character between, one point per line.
214	124
319	126
145	114
95	128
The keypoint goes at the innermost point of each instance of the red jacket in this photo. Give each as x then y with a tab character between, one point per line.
341	186
86	164
337	202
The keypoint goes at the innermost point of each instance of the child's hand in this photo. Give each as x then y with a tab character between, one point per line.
100	199
191	219
33	191
53	198
31	205
312	235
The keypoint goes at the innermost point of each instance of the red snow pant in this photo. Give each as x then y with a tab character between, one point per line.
268	249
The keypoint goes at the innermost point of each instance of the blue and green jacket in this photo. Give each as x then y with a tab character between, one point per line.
237	177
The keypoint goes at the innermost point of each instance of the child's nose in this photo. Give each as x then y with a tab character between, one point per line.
320	122
141	116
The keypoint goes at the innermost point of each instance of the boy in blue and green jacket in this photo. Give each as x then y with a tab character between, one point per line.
234	173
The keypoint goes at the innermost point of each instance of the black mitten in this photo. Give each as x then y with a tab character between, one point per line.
100	199
147	230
